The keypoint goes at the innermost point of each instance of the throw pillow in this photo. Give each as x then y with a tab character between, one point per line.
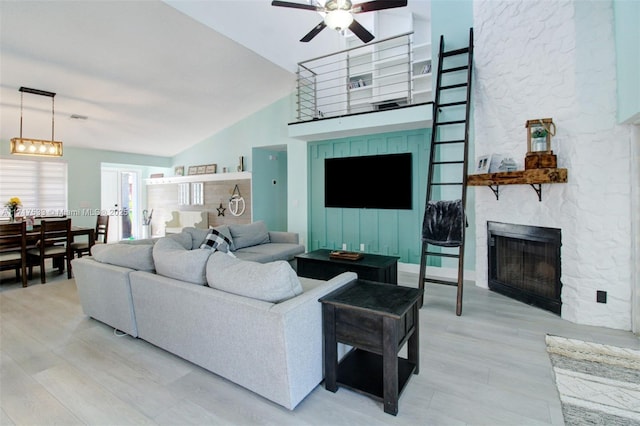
224	230
136	257
271	282
249	234
174	261
215	240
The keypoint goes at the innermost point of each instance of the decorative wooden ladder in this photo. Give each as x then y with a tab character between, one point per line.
447	178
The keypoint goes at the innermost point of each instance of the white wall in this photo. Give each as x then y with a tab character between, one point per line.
557	59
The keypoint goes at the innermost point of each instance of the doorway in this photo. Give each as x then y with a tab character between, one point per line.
269	186
121	200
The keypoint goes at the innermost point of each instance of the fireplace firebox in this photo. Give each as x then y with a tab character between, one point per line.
524	264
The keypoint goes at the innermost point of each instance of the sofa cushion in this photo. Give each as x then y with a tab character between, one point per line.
144	241
272	251
271	282
249	234
138	256
184	239
174	261
215	240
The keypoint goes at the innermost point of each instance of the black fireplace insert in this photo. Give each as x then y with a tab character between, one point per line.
524	264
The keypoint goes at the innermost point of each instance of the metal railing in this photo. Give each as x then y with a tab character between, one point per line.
387	74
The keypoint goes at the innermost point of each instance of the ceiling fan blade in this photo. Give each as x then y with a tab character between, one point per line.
314	32
360	31
377	5
296	5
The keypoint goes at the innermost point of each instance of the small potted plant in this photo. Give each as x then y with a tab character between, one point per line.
12	205
539	132
539	138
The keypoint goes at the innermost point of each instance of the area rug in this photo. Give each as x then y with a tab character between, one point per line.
598	384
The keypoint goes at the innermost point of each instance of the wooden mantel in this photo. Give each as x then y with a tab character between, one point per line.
531	177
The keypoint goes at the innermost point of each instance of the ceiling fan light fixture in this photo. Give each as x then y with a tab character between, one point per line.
338	15
338	19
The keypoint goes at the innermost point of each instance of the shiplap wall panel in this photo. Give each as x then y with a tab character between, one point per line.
388	232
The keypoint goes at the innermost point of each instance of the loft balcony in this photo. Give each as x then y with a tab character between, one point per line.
388	76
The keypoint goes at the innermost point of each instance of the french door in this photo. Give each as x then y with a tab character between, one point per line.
121	199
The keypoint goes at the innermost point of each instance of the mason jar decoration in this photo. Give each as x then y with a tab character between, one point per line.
539	153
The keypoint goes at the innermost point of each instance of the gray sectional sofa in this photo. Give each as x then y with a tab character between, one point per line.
248	241
256	324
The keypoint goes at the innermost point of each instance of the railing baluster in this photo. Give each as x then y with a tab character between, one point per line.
358	79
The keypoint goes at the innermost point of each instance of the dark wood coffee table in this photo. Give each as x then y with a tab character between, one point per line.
374	267
377	320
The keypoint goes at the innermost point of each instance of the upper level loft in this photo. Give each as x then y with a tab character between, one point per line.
386	74
389	75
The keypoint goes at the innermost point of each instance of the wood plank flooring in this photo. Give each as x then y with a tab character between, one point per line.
487	367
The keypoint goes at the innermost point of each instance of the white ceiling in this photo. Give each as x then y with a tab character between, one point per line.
152	77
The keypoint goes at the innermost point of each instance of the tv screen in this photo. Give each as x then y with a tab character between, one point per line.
369	182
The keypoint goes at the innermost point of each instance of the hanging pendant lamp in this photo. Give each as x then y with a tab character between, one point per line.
26	146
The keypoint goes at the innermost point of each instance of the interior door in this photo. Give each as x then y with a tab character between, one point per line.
120	198
128	204
109	202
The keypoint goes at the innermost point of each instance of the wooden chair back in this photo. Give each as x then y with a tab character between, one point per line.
102	228
55	243
13	249
54	232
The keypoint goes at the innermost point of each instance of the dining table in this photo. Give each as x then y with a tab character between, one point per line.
34	234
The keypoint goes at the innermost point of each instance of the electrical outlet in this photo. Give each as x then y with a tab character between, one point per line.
361	246
344	246
601	296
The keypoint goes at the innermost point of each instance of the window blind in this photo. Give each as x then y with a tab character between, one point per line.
40	185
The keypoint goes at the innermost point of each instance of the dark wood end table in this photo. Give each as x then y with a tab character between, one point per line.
374	267
377	320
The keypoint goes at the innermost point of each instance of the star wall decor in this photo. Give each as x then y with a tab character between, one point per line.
221	210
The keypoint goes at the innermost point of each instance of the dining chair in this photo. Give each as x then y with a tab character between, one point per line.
13	249
54	243
102	228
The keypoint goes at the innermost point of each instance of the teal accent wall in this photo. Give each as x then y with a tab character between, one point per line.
387	232
627	38
269	187
451	18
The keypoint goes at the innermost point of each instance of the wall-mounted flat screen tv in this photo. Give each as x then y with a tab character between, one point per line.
369	182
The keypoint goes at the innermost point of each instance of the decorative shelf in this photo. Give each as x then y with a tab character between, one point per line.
531	177
198	178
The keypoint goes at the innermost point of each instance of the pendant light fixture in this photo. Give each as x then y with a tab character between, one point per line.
25	146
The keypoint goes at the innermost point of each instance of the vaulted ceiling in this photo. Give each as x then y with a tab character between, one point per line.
151	77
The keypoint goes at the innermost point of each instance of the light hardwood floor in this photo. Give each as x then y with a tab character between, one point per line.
487	367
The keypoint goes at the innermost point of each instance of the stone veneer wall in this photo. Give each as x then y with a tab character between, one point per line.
536	59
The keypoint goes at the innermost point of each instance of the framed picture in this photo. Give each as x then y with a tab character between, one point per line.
193	170
482	164
201	170
210	168
179	171
156	175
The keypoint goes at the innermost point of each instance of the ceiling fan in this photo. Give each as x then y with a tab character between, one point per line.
339	15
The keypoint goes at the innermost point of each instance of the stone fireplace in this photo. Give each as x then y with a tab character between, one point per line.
534	62
524	264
